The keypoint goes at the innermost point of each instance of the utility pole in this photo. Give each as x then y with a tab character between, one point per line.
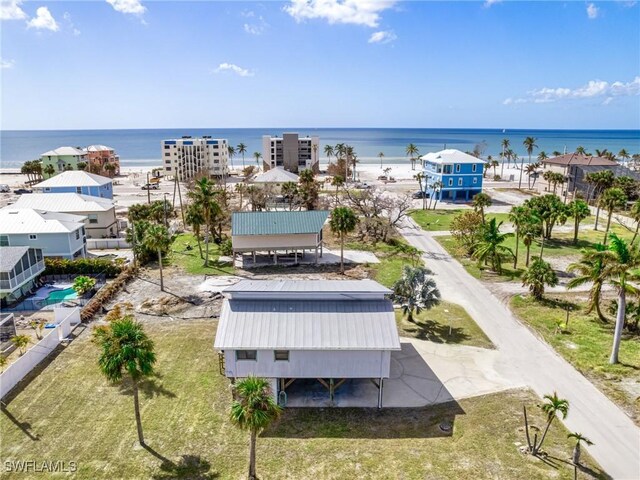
164	207
148	185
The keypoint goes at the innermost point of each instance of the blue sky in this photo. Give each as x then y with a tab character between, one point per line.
321	63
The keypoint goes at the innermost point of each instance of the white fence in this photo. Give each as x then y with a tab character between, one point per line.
106	243
65	319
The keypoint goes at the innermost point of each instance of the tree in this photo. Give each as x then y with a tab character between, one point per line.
621	262
82	166
634	213
337	181
343	221
611	199
579	438
21	342
309	189
232	153
204	194
551	407
110	168
380	156
436	188
532	171
328	151
505	145
537	276
157	238
549	209
578	210
49	170
519	216
412	152
242	149
600	181
466	228
289	191
590	269
542	156
126	349
530	145
253	409
257	156
529	231
415	291
489	247
580	150
195	217
480	202
82	284
624	155
421	178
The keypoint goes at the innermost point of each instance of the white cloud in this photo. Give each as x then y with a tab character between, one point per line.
593	89
10	10
6	63
607	101
128	6
43	20
382	37
70	25
592	11
255	28
357	12
488	3
230	67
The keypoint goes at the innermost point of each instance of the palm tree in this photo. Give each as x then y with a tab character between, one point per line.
519	216
494	163
257	156
232	152
579	210
532	170
420	177
253	409
621	262
204	194
624	155
529	231
328	151
343	221
552	407
289	190
49	170
480	201
21	342
542	156
505	145
195	218
634	213
110	168
415	291
611	199
537	276
126	349
490	248
590	269
581	150
436	188
337	181
380	156
579	438
530	145
412	152
157	238
600	182
242	149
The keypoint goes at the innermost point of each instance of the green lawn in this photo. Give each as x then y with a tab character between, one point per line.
190	260
440	220
433	325
70	413
586	344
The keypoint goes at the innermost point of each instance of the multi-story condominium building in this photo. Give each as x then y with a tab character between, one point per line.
291	152
99	156
78	181
187	156
57	234
19	268
452	174
61	159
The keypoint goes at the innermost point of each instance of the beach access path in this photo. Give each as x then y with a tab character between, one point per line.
616	438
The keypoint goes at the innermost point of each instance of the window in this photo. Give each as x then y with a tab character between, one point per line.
457	168
451	182
167	154
459	182
168	169
475	180
246	354
78	189
473	167
281	355
4	241
47	189
93	218
33	236
77	234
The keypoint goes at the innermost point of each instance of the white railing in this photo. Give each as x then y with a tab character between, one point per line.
22	277
106	243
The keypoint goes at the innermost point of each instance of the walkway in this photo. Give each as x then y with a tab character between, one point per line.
534	363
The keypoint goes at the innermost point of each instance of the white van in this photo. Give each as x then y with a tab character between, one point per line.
4	188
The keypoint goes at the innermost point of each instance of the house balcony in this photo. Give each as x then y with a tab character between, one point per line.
21	278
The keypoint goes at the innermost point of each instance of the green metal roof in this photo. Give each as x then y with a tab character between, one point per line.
277	223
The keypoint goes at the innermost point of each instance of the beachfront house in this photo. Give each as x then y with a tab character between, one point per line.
452	175
291	152
100	213
276	176
74	181
62	158
19	268
306	334
573	167
60	235
282	235
99	156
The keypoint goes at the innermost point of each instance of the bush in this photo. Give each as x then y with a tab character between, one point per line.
83	266
496	178
226	248
82	284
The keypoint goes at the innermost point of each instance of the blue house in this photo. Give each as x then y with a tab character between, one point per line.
78	181
453	175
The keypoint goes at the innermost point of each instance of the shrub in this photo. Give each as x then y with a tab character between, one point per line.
84	266
83	284
226	247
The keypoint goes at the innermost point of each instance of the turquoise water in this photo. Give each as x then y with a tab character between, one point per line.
61	295
140	148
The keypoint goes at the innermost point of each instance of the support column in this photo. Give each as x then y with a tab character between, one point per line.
295	256
254	257
331	391
275	257
316	255
380	393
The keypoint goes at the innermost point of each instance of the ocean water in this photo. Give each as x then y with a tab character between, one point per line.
138	148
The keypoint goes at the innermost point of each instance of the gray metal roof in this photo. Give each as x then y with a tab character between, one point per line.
306	286
278	223
307	325
9	256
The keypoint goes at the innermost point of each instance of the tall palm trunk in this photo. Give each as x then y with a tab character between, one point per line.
595	293
539	446
252	455
575	458
160	262
606	232
575	231
595	227
617	335
342	253
197	234
136	407
528	251
635	234
515	258
541	247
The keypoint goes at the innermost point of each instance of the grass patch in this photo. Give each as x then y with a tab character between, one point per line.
433	325
185	418
440	220
185	254
586	344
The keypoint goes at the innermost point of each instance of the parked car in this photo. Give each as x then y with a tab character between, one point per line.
20	191
151	186
363	185
4	188
420	194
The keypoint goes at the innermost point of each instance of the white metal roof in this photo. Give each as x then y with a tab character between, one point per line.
64	151
276	175
64	202
291	288
27	220
74	178
450	155
98	148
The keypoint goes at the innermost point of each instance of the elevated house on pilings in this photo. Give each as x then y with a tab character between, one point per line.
319	342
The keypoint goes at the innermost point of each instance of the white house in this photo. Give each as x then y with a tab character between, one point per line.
327	330
57	234
19	267
100	213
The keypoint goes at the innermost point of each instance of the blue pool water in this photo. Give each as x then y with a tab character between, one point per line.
61	295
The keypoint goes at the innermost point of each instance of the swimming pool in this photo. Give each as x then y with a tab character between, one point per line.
61	295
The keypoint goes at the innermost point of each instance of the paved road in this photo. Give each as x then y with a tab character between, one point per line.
616	437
